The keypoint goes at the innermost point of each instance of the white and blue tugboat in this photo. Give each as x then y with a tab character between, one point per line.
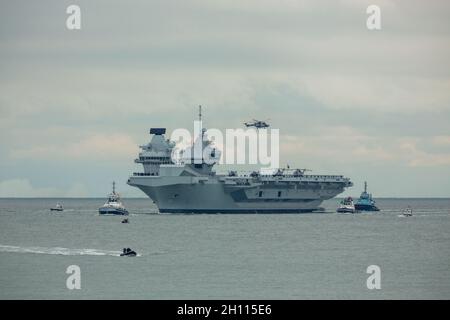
114	205
365	201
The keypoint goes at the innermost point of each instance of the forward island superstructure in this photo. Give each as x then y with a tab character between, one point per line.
194	187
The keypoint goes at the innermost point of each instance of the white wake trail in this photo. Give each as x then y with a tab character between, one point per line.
60	251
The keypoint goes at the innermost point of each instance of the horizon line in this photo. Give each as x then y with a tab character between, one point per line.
102	197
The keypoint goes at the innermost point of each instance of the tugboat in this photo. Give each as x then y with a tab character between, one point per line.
365	201
346	206
58	207
127	252
113	205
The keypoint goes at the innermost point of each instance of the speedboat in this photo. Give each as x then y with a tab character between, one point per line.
365	201
125	221
346	206
58	207
407	212
113	205
127	252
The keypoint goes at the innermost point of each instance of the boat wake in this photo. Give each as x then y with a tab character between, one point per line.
60	251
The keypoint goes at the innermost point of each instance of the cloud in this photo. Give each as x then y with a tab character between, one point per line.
96	147
441	140
342	96
379	93
376	153
22	188
418	158
77	190
348	145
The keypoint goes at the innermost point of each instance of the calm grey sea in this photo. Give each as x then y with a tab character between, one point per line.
269	256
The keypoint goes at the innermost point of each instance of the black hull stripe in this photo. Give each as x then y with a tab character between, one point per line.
212	211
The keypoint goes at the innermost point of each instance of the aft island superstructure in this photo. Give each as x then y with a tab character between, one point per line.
194	187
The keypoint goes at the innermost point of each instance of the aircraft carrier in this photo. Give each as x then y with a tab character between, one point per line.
194	187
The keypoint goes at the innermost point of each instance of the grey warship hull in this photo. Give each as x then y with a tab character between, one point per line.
207	199
221	194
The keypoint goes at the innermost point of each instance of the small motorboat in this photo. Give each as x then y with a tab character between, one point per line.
113	205
125	221
407	212
58	207
127	252
346	206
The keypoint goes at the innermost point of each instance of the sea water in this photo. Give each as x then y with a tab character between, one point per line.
223	256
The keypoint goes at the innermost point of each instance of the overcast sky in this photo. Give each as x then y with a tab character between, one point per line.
372	105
